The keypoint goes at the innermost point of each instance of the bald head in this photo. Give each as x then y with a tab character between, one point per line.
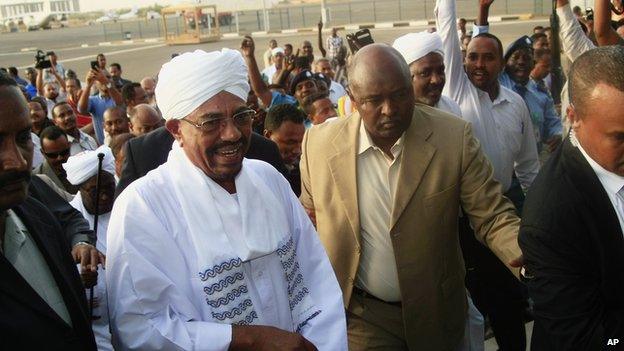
143	119
364	68
148	84
602	65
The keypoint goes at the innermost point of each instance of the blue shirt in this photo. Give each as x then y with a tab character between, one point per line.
31	90
546	122
279	98
97	106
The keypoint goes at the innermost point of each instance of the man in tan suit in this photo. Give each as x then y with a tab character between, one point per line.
385	187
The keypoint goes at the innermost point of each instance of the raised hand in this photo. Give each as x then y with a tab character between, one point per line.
487	3
248	46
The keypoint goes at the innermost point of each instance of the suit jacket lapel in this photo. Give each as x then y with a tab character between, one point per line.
15	285
39	232
415	158
592	190
343	170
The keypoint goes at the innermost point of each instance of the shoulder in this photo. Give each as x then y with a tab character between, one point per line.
439	119
157	137
326	132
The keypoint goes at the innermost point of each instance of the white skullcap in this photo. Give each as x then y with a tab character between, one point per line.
414	46
82	166
190	79
277	50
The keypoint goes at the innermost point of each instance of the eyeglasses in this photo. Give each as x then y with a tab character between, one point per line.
240	119
54	155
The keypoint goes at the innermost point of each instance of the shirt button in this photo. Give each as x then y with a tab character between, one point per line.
259	274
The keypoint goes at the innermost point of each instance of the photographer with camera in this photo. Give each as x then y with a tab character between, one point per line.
53	92
96	105
48	75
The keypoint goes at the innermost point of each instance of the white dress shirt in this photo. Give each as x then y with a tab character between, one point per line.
503	126
377	179
612	183
85	143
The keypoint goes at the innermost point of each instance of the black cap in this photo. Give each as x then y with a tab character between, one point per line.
520	43
301	77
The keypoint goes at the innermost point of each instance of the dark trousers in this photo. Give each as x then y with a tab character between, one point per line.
495	291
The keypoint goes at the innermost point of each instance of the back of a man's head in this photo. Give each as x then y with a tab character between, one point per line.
13	72
603	65
281	113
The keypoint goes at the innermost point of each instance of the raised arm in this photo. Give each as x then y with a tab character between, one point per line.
320	39
260	88
39	82
573	39
83	100
605	34
456	79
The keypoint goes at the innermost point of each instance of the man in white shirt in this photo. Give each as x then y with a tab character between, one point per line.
64	117
212	251
572	233
82	171
277	58
502	124
336	91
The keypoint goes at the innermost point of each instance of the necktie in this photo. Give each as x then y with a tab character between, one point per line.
520	89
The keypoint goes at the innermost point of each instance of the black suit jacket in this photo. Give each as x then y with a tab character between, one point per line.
149	151
27	322
574	250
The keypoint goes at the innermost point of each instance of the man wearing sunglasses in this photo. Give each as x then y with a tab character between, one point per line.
212	250
55	149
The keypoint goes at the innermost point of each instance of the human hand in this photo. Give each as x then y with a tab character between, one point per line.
517	262
289	62
248	47
100	76
485	3
320	25
312	214
88	256
263	338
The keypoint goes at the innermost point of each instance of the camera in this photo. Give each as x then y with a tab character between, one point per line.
40	60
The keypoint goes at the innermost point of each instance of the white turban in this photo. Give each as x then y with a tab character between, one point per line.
414	46
82	166
276	51
190	79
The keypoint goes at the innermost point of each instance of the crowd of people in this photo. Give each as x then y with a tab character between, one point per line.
409	196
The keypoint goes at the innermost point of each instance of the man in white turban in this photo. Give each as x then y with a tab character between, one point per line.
424	55
212	251
82	171
277	59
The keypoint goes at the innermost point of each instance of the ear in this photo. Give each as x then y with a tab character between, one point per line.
267	134
173	126
573	117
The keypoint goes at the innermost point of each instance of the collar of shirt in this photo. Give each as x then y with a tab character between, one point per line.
612	182
71	138
365	143
15	234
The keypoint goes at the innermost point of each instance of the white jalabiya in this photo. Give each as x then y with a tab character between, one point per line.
99	326
187	260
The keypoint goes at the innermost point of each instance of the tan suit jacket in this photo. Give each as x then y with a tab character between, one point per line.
442	169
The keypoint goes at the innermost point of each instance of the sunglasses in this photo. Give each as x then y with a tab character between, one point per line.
54	155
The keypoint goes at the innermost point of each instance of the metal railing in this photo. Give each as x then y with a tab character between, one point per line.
307	16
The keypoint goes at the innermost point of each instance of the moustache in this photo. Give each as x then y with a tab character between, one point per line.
14	177
242	141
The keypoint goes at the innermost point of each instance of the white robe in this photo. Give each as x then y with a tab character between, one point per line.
99	326
158	300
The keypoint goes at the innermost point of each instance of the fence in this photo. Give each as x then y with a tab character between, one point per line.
306	16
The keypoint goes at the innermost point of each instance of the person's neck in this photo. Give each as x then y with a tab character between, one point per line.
493	90
75	133
36	127
385	144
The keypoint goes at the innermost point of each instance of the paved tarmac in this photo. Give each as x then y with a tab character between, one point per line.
140	60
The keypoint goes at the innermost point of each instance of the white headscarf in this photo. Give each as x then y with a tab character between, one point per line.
190	79
84	165
414	46
276	51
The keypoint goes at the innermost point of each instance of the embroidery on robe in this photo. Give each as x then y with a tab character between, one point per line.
227	294
299	299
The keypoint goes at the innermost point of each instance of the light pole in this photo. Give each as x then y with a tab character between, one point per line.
267	25
323	11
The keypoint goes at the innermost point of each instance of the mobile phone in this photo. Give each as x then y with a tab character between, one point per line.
94	65
359	40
